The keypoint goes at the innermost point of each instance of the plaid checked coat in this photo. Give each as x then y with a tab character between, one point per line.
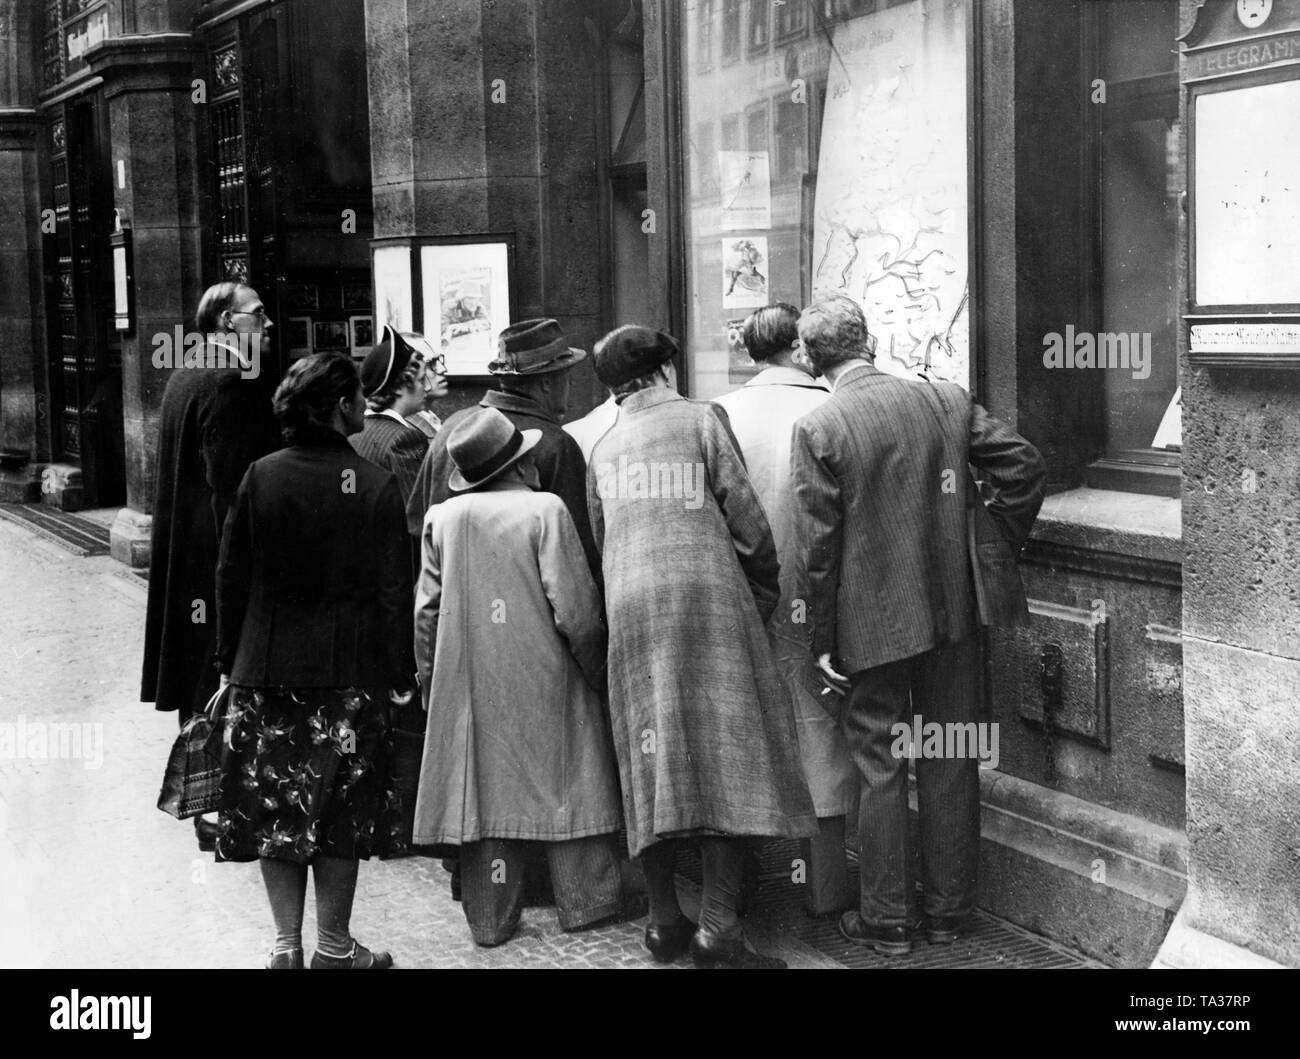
703	726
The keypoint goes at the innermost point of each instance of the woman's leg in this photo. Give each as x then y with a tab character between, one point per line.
723	863
720	942
336	884
286	889
659	863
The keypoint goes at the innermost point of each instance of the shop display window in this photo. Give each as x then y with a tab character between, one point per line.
836	163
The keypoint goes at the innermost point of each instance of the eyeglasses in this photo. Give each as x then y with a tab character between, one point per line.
437	365
260	314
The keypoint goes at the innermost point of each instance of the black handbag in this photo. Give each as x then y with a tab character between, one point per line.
192	783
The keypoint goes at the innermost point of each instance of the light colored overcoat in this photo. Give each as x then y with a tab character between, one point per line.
762	414
703	726
510	646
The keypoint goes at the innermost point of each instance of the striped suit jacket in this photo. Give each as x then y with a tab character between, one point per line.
396	447
881	480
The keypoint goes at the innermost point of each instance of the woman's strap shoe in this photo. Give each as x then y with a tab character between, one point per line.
710	951
285	960
890	941
359	959
667	943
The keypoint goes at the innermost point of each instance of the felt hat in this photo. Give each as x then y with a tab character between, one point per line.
534	347
484	444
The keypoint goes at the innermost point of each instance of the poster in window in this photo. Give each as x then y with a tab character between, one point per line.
890	218
746	181
744	272
393	304
466	301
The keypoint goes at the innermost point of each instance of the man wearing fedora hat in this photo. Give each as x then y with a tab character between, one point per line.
392	381
510	647
532	371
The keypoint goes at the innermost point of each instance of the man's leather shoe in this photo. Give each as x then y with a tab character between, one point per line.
944	930
889	941
207	832
667	943
709	951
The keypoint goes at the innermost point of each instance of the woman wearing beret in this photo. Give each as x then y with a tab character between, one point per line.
314	634
703	726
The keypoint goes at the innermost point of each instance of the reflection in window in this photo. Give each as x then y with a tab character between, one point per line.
730	29
1140	187
791	18
853	181
758	32
704	34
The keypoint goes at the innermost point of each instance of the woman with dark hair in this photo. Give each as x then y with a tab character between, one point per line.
314	633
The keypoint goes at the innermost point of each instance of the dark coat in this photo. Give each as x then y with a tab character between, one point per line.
881	480
703	726
399	448
212	425
560	466
314	583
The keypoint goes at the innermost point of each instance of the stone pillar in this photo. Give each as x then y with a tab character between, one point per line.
446	159
1241	658
148	89
24	439
1241	647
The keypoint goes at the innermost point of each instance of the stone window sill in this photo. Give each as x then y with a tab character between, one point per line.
1134	525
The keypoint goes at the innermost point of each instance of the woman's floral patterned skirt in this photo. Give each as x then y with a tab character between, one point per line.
307	771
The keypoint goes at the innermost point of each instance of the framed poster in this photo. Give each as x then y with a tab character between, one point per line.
330	336
361	333
300	332
356	297
302	296
393	300
465	298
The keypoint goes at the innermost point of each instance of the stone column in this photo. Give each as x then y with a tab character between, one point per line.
148	90
24	438
1241	660
482	121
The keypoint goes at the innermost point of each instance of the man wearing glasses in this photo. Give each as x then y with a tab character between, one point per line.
425	419
214	421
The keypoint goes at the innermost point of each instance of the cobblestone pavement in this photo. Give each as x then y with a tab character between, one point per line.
93	875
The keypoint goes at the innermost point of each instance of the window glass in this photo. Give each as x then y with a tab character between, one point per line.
837	164
1141	186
